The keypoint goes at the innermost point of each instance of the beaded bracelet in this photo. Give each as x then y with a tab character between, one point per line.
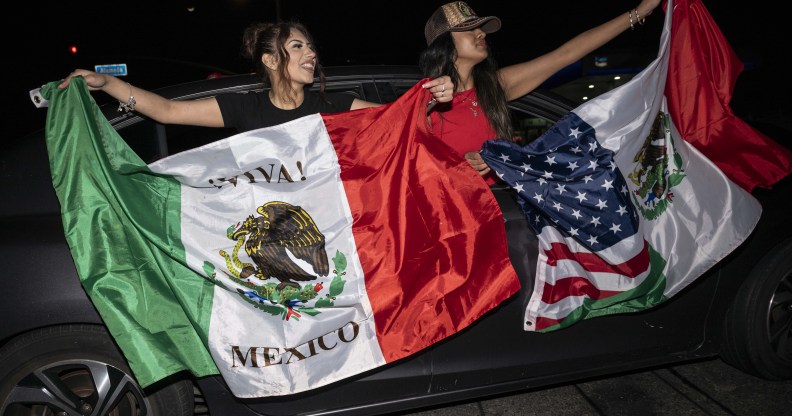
130	104
629	16
638	18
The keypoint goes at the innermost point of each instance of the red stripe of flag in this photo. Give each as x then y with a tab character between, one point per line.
429	232
582	285
702	72
596	264
574	286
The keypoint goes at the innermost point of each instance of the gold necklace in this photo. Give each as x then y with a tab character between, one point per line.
473	103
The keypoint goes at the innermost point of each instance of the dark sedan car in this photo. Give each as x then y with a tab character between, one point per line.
56	357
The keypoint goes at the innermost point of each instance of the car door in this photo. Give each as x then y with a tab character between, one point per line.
494	352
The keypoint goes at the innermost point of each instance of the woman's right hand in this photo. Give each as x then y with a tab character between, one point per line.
477	162
94	80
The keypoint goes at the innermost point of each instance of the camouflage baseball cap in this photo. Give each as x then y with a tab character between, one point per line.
457	17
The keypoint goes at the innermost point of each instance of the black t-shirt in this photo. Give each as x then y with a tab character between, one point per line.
254	110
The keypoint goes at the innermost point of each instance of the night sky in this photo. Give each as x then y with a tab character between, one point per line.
174	41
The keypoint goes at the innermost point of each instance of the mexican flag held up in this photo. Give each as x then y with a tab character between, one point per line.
284	258
627	212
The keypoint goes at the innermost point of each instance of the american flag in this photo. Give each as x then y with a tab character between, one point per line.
578	203
627	213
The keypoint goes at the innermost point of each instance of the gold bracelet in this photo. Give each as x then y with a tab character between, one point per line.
130	104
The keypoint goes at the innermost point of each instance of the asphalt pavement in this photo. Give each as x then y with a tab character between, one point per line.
708	387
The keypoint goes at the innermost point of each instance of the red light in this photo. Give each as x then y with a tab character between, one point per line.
73	49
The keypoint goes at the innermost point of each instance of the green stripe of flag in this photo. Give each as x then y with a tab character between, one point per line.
122	223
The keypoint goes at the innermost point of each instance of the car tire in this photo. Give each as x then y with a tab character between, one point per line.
56	370
758	326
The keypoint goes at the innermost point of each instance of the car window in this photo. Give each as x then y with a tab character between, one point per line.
356	89
527	127
146	138
396	88
153	141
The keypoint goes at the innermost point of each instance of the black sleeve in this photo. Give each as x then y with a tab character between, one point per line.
339	102
232	108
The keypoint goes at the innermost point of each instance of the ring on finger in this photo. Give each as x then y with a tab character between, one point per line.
443	90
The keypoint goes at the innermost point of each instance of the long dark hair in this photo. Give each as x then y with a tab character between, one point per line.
438	60
261	38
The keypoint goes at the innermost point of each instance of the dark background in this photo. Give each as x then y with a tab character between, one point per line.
174	41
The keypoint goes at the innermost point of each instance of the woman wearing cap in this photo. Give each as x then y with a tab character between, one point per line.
455	36
284	57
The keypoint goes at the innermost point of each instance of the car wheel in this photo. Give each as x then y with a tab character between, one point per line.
77	369
758	331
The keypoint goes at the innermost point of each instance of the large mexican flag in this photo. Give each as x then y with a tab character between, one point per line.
285	258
